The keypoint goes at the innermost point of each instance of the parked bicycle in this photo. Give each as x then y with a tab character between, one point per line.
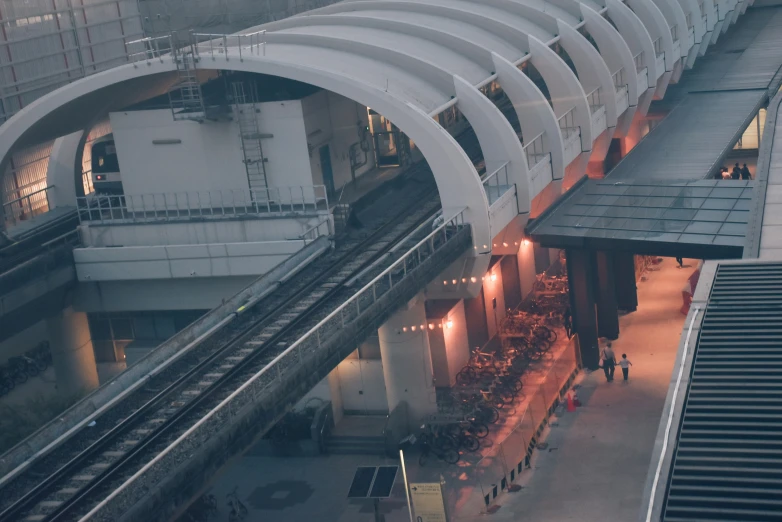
236	509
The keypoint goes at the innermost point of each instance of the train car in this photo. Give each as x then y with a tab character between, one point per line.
106	178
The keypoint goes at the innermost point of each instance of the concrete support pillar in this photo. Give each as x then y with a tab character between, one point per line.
526	260
605	295
72	354
624	281
407	362
580	269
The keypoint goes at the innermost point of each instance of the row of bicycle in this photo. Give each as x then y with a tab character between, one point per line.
18	369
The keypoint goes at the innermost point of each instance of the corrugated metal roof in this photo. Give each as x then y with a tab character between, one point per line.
728	461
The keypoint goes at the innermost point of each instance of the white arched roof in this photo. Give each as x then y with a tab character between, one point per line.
410	59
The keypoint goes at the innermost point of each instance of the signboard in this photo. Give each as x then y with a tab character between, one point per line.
427	502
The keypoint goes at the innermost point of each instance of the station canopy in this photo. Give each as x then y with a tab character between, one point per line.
705	219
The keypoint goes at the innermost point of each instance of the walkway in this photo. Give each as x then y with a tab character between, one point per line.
597	458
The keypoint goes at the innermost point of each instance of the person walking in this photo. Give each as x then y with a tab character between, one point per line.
745	172
736	174
625	365
568	320
680	261
609	362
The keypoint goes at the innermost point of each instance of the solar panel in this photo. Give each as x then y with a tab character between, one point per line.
373	482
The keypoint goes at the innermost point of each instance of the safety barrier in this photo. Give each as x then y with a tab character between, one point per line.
501	466
497	183
27	206
535	150
658	47
595	99
211	204
640	63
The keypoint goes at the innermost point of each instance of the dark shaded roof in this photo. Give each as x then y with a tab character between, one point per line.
728	460
683	217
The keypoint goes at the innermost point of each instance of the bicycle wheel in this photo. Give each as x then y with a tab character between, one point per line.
466	376
549	334
470	443
450	456
41	364
443	442
20	377
478	429
31	370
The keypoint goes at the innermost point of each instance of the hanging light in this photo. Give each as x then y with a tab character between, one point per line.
431	326
494	277
474	279
449	324
412	328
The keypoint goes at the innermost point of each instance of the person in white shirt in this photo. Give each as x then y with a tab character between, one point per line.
625	365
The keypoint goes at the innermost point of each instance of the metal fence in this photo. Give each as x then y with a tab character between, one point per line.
640	63
497	183
675	33
306	348
182	206
27	206
658	47
567	124
595	99
214	45
504	461
535	150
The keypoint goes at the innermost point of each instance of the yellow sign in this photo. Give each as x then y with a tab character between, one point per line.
428	502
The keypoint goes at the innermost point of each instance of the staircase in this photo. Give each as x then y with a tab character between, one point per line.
185	96
250	135
355	445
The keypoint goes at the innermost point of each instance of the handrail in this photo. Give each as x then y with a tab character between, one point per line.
675	33
595	99
669	422
658	47
535	149
27	206
316	227
496	183
254	42
456	221
151	48
619	79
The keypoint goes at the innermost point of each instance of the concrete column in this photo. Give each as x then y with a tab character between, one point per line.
526	259
407	362
605	295
624	281
72	353
580	268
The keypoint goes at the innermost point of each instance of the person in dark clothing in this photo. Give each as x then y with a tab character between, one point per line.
736	174
568	320
680	261
745	172
609	362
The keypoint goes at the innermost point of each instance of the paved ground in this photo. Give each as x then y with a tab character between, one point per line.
593	471
596	464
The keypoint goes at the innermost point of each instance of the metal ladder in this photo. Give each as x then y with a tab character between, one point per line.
250	135
185	97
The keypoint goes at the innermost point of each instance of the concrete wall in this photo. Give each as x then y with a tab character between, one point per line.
493	290
449	346
160	294
196	232
182	261
336	121
362	385
208	158
286	152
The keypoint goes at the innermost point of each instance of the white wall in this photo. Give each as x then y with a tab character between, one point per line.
286	153
208	158
333	120
449	346
493	290
362	386
196	232
181	261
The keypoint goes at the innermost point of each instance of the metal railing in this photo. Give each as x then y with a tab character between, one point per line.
496	183
150	48
216	45
307	347
619	79
658	47
640	62
675	33
27	206
167	206
503	462
535	150
595	99
567	123
52	255
321	228
688	20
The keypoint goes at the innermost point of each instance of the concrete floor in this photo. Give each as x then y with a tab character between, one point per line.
597	459
593	470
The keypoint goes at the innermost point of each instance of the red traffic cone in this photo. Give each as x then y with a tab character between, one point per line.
576	401
571	406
